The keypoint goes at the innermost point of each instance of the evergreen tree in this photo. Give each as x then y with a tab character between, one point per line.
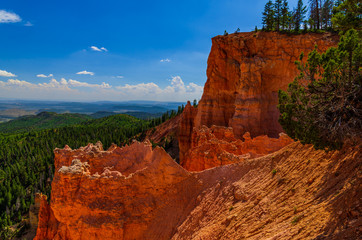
347	15
195	103
299	15
326	14
323	104
277	14
286	15
268	16
314	6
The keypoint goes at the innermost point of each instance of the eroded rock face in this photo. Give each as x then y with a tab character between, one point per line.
244	73
294	193
217	146
116	194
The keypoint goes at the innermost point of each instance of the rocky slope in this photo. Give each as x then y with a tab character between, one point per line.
217	146
139	193
167	135
244	73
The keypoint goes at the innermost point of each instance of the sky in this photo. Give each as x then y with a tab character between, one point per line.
114	50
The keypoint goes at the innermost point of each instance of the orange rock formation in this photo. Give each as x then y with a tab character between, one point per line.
244	73
217	146
139	193
122	193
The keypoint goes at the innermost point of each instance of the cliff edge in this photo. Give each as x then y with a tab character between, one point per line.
244	73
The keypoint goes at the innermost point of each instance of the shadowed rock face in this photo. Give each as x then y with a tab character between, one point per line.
244	73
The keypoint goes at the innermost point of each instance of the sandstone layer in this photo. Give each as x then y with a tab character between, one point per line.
121	193
217	146
244	73
139	193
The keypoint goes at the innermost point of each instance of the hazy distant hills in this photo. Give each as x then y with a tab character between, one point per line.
11	109
43	120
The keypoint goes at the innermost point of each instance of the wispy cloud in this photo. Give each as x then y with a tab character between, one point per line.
44	76
6	74
9	17
165	60
28	24
76	83
97	49
53	83
119	77
85	73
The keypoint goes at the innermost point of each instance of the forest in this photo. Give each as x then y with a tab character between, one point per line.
278	17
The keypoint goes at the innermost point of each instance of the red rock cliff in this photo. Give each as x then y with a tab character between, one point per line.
120	193
244	73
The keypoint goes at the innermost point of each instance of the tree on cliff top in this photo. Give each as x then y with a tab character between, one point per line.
322	106
299	15
347	15
268	16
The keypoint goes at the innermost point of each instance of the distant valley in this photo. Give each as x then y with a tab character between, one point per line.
12	109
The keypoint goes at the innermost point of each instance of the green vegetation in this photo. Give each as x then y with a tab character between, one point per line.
348	15
322	106
296	219
43	120
277	17
274	171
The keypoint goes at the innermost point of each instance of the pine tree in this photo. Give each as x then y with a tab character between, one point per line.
285	15
299	15
326	14
277	14
315	9
348	14
268	16
327	110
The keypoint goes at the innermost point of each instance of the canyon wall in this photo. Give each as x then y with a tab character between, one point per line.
137	192
244	73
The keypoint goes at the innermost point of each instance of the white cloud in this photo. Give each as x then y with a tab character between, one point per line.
177	84
165	60
76	83
44	76
9	17
94	48
85	73
119	76
16	82
97	49
28	24
194	88
4	73
75	90
177	91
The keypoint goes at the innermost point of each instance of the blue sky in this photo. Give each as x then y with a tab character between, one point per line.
113	49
